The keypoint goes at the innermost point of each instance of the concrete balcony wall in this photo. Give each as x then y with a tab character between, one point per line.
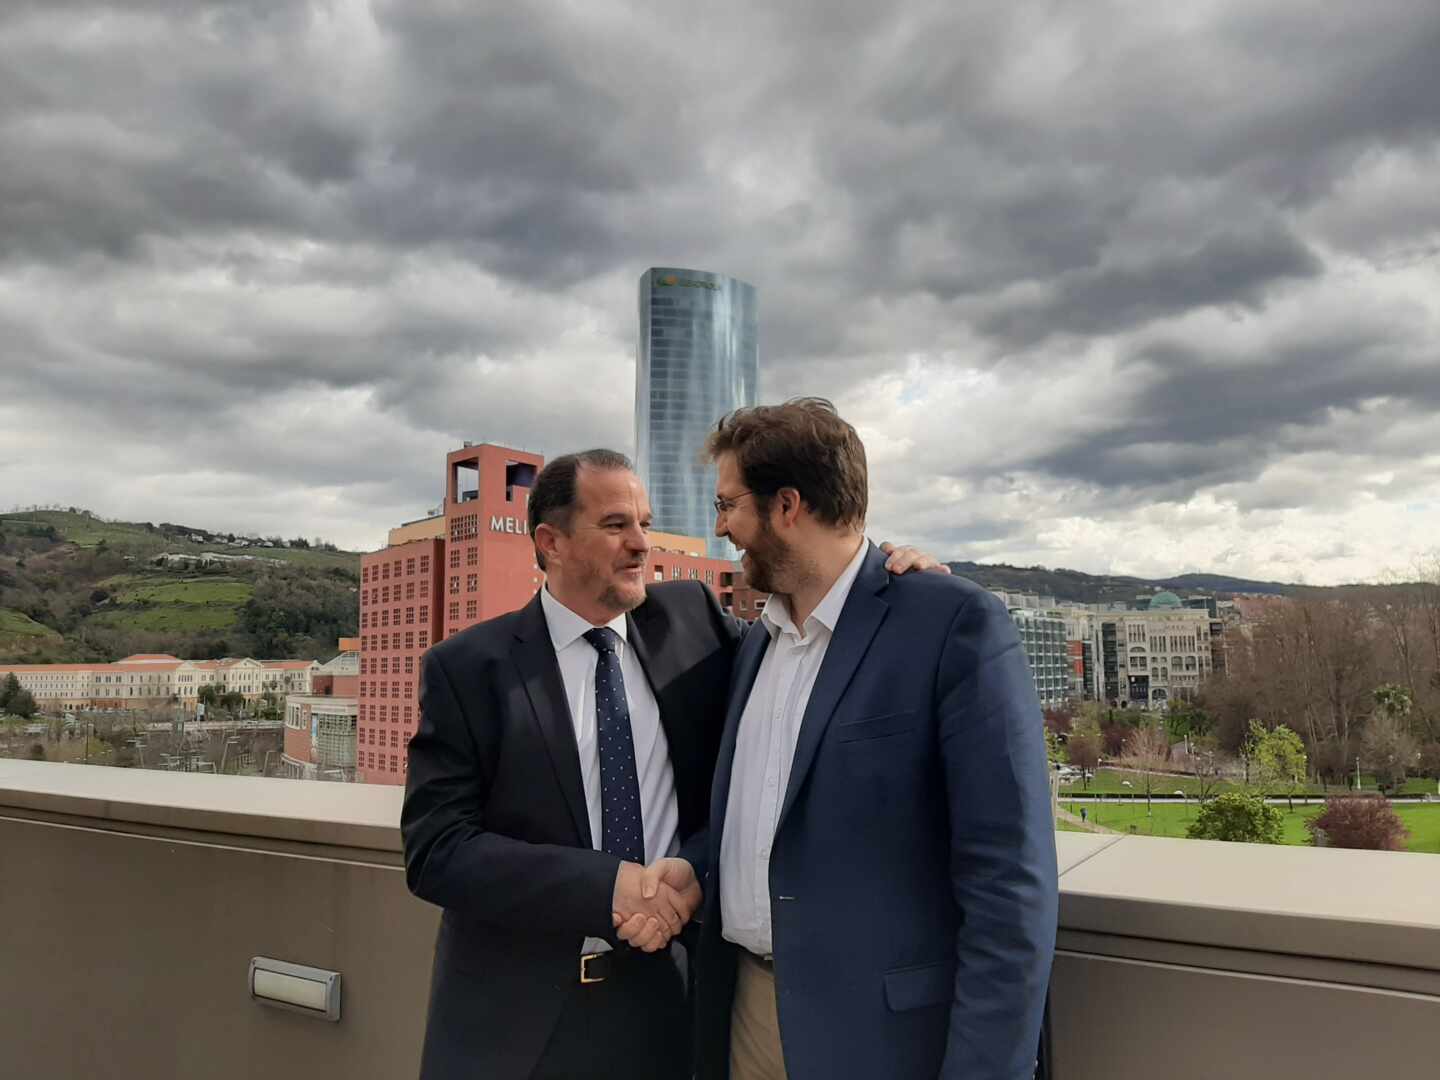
131	903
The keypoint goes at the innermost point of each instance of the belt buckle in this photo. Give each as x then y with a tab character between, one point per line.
585	977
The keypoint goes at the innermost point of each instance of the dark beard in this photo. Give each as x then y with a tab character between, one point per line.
771	563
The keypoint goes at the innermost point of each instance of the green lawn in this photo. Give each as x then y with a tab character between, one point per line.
1171	819
21	625
195	590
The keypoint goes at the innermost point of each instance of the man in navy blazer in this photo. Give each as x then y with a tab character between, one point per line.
880	887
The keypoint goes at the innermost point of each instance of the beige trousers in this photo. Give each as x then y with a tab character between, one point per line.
755	1052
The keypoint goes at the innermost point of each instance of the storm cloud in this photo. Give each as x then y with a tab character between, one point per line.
1118	288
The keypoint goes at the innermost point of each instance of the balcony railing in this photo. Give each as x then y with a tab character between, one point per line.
132	902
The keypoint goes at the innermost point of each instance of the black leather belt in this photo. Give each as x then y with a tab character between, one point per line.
596	967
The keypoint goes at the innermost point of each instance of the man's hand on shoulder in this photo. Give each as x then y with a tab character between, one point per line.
905	559
653	903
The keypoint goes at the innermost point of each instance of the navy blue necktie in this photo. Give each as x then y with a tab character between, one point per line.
622	828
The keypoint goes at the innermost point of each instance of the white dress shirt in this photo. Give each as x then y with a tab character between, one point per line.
764	752
578	659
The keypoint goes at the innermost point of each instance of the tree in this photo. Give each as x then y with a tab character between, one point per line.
1278	758
8	689
1359	821
1148	752
1059	721
22	704
1387	749
209	694
1208	763
1054	749
1238	817
1430	761
1083	749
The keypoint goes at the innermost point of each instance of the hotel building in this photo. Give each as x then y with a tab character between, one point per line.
471	562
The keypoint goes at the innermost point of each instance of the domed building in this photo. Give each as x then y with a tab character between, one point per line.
1165	600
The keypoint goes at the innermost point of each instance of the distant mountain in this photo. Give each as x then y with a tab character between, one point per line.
74	587
1078	587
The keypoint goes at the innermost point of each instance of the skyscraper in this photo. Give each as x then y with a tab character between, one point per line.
697	359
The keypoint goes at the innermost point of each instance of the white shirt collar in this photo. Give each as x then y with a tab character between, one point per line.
566	627
775	615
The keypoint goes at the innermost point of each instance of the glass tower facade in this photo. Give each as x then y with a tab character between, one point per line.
698	358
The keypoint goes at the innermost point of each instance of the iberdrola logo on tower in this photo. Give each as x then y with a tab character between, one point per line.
688	283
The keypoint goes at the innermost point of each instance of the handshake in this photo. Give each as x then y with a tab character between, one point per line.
653	903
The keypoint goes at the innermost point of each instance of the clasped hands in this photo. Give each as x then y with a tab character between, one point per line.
653	903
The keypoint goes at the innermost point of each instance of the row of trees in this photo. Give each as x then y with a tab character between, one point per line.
1357	675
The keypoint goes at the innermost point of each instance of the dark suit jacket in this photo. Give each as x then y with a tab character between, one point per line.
495	824
913	885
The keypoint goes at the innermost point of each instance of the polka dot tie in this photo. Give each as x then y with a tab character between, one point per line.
621	826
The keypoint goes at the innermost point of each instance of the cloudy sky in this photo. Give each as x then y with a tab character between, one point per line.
1138	288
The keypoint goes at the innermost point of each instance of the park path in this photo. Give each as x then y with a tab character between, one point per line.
1086	826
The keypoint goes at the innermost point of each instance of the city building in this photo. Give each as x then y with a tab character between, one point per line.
1043	636
320	727
697	359
151	679
1158	655
472	561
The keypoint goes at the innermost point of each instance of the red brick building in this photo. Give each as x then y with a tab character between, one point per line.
472	561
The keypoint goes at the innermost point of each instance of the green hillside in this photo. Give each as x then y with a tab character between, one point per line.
76	588
19	633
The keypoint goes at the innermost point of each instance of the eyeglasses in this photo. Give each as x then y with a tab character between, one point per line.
724	506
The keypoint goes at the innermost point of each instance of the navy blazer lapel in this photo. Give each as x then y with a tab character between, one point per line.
862	615
747	666
534	654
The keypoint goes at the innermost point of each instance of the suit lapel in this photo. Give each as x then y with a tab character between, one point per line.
534	655
747	666
861	617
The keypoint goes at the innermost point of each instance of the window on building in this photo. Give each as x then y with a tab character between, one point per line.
424	564
454	558
409	660
472	556
409	616
424	639
410	590
472	582
409	566
470	609
676	574
454	584
455	611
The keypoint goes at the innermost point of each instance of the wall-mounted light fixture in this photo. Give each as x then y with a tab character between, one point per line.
309	990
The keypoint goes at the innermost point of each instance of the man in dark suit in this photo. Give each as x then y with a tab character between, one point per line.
879	877
561	748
